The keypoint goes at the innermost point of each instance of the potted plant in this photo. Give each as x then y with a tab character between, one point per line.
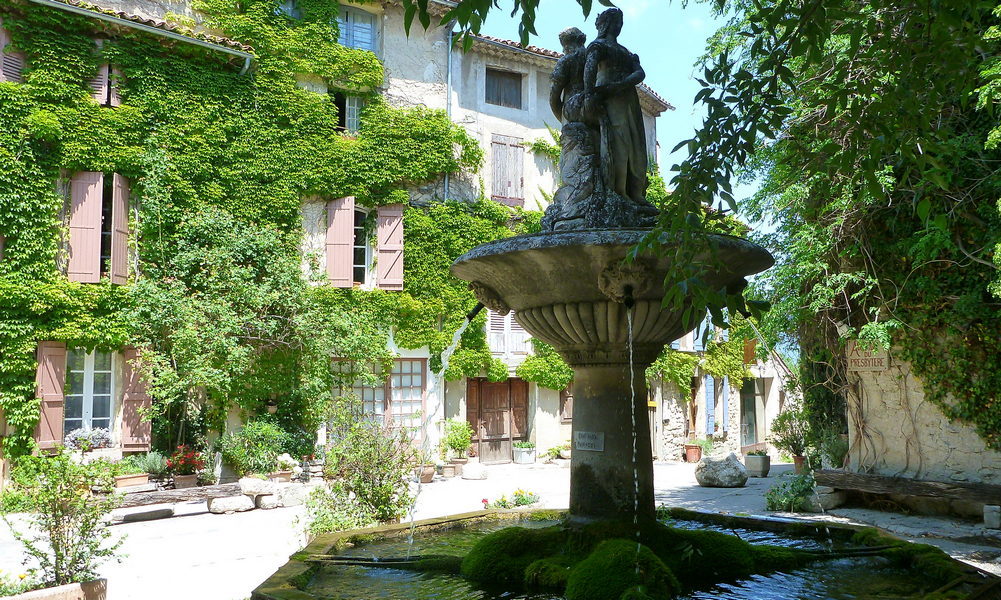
286	466
789	433
524	453
128	473
457	439
185	463
695	449
757	463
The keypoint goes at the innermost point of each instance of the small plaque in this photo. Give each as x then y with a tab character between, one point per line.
589	440
860	360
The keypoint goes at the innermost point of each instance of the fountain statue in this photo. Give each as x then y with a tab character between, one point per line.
570	286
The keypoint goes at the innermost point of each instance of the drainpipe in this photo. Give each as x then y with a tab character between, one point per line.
448	88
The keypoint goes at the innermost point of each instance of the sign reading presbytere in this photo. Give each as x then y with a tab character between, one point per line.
860	359
589	440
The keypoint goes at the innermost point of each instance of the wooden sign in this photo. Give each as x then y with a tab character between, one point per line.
860	360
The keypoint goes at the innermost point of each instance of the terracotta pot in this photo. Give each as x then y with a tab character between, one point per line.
425	473
757	465
88	590
458	464
131	479
280	476
449	470
693	453
185	481
800	463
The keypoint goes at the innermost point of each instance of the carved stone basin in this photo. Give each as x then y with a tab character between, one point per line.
568	289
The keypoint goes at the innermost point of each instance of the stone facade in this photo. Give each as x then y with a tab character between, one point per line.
893	430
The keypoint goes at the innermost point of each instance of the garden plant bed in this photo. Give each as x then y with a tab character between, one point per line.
325	557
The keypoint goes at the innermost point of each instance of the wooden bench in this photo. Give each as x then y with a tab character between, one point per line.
882	484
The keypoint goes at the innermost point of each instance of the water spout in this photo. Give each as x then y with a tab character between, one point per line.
476	310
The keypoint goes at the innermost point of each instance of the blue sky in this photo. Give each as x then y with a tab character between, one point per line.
668	38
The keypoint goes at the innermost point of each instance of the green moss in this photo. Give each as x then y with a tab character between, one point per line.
549	573
503	556
926	559
621	569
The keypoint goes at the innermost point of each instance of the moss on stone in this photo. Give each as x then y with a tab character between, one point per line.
928	560
502	557
549	573
621	568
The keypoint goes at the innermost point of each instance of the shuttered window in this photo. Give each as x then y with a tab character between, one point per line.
136	427
356	28
503	88
99	227
340	241
389	233
361	250
89	390
50	381
507	155
11	61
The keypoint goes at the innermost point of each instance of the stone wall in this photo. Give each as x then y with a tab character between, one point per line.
894	430
669	420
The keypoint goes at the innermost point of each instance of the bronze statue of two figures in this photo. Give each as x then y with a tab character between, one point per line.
603	162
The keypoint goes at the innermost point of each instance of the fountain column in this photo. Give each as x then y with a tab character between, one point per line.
606	480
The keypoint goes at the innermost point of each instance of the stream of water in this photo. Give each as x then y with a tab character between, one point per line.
632	414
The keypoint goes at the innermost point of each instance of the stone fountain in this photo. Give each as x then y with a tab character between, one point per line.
572	287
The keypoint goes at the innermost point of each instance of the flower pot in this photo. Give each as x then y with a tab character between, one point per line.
131	479
88	590
565	453
425	473
458	464
281	476
524	456
449	470
185	481
757	466
800	463
693	453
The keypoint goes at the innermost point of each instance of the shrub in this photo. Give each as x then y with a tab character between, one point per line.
373	462
333	509
524	444
791	493
255	448
152	462
789	432
69	536
458	436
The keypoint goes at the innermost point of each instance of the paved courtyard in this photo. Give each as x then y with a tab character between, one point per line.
198	555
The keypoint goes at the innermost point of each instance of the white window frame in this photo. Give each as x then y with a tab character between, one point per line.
389	391
87	396
369	282
347	24
353	105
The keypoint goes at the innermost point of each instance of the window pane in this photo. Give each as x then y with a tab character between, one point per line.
102	361
503	88
71	424
102	383
73	407
359	275
359	256
100	423
74	382
102	407
74	360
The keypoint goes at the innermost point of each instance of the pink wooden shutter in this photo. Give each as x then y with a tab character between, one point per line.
120	230
86	194
340	241
99	85
11	62
136	431
114	87
389	231
50	379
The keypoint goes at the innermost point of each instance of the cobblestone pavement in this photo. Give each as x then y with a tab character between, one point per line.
198	555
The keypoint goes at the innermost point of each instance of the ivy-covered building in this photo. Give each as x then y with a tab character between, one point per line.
198	232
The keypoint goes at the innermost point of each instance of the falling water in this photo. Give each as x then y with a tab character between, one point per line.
446	355
632	409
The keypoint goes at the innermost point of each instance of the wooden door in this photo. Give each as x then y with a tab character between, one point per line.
498	413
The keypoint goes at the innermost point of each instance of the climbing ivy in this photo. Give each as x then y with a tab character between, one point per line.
220	164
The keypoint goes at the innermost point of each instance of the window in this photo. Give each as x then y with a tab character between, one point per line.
349	111
104	86
361	250
289	8
356	28
507	157
98	227
107	208
566	404
503	88
89	388
398	401
11	62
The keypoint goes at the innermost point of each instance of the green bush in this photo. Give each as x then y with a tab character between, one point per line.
154	463
333	509
790	432
458	436
791	493
253	449
68	536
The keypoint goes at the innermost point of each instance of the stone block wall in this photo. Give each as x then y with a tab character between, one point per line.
894	430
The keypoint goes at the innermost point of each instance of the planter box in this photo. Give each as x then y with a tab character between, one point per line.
757	466
449	470
185	481
524	456
281	476
90	590
130	480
